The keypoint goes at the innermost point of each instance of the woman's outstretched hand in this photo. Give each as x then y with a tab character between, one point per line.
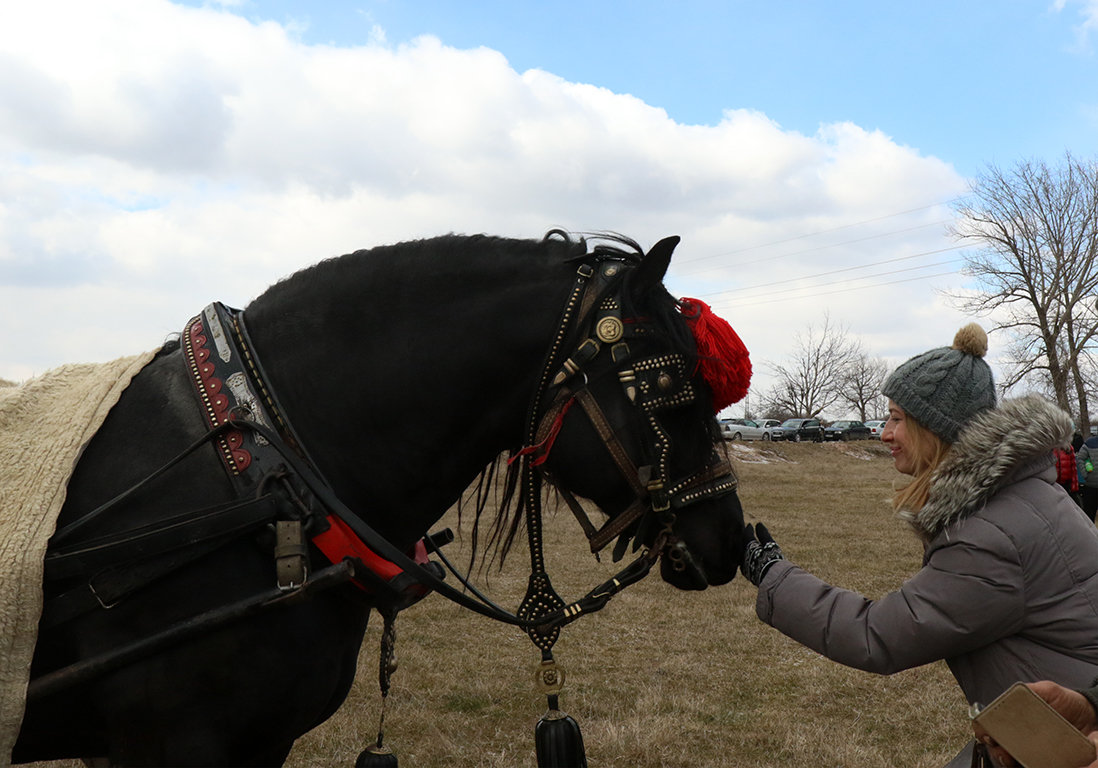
760	551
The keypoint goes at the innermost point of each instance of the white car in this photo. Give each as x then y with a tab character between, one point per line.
747	429
876	428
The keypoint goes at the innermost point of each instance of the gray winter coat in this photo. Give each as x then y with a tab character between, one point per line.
1008	590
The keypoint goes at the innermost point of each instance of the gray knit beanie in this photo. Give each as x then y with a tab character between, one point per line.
944	388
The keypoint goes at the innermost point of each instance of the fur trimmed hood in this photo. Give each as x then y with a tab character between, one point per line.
987	455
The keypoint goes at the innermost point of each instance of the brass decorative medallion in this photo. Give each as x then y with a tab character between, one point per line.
610	329
549	677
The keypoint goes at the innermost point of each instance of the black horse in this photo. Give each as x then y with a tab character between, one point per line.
405	371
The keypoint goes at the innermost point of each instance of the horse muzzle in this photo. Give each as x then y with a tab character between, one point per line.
680	568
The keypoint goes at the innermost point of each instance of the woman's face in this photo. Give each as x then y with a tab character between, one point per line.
895	435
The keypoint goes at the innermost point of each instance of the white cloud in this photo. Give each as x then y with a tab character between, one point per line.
1088	25
166	156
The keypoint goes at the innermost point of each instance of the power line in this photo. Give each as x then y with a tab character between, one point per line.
840	282
854	288
833	272
810	250
822	231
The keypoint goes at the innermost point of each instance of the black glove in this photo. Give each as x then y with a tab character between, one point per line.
759	553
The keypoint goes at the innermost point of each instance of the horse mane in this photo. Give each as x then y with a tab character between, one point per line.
656	305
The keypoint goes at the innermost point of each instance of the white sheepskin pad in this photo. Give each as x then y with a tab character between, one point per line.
44	424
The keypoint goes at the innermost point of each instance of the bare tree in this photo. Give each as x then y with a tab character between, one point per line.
862	383
1037	269
814	379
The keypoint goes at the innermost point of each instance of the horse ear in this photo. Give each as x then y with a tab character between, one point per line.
653	267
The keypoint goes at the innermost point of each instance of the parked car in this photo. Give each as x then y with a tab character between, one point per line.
748	429
797	430
875	428
742	429
847	430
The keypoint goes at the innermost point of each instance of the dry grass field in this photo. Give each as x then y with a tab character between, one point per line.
666	678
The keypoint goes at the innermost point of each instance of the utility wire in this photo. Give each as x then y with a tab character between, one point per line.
808	250
822	231
832	272
846	290
840	282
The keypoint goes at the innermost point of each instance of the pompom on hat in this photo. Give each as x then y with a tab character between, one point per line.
943	389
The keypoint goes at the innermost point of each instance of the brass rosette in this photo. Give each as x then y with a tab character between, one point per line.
549	677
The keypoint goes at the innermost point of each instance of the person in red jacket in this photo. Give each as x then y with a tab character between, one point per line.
1067	473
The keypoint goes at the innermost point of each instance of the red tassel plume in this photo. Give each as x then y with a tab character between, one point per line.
722	358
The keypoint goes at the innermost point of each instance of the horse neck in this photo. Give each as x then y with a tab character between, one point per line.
405	374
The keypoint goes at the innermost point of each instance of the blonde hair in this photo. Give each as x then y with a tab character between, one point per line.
926	450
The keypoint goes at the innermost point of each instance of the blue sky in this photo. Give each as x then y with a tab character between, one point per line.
157	155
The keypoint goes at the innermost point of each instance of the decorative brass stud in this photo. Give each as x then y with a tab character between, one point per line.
610	329
664	381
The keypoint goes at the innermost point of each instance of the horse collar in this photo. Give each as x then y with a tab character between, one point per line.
216	358
228	378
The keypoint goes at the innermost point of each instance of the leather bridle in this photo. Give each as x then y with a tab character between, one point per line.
652	385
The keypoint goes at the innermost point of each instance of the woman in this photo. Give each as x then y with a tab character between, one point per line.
1008	590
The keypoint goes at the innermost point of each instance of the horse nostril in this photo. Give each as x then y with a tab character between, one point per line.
677	554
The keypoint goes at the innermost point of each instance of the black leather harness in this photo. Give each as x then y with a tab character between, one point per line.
278	485
241	415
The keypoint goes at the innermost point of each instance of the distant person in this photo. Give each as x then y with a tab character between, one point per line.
1080	708
1085	459
1008	590
1067	473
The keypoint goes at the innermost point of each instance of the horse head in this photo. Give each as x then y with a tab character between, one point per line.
628	422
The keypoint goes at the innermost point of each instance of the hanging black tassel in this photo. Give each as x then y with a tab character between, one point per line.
558	740
375	756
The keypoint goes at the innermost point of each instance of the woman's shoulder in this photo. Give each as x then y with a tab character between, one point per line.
1028	521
